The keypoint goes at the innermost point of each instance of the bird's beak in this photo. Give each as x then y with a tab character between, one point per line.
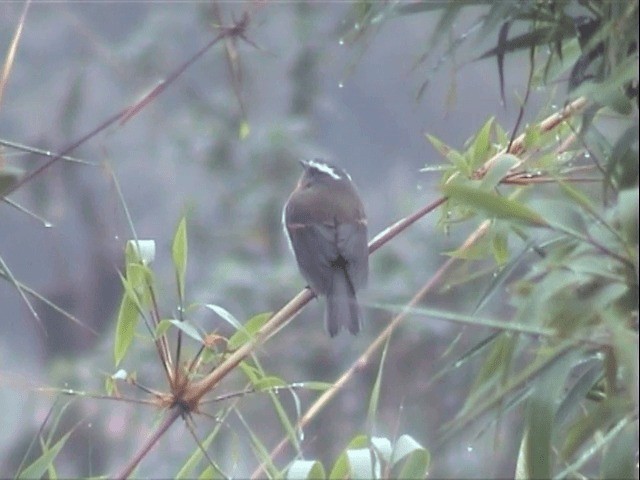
304	163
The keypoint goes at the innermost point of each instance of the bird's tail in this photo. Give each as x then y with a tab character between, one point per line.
342	306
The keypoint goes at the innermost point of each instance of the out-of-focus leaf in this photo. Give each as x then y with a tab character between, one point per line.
244	130
498	362
541	410
619	460
627	214
179	252
445	23
259	447
534	38
500	394
416	464
126	322
187	328
305	469
500	51
571	401
225	315
610	92
212	471
375	391
341	468
383	447
44	462
410	8
499	168
497	280
140	251
405	445
269	383
9	176
360	463
320	386
482	143
599	417
561	216
456	158
622	164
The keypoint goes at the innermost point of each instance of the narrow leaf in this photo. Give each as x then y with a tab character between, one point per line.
179	251
494	205
38	468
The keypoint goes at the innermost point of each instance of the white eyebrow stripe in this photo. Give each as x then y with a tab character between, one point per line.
324	168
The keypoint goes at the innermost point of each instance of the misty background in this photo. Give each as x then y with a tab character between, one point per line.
315	88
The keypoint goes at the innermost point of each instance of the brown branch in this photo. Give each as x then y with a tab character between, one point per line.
174	414
517	147
322	401
125	114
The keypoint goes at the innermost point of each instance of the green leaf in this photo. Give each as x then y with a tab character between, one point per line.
45	461
187	470
179	251
496	365
405	445
494	205
627	214
482	143
244	130
187	328
162	327
527	40
248	330
619	460
383	447
416	465
622	163
410	459
341	468
500	248
375	392
269	383
305	469
598	418
499	168
541	410
455	157
360	463
9	176
126	323
140	251
225	315
319	386
579	198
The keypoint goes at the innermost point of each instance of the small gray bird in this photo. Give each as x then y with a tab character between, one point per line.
327	230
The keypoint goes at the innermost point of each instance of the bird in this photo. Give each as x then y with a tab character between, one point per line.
326	225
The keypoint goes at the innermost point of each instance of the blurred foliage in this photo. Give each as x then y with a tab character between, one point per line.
568	203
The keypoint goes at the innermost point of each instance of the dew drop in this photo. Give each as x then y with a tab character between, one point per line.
469	448
48	225
341	41
340	85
